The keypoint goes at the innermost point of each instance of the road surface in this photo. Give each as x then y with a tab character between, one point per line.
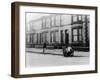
35	58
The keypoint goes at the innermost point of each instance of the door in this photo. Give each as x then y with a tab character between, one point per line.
66	37
61	32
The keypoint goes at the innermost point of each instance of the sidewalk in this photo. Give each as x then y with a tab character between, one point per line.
56	52
48	51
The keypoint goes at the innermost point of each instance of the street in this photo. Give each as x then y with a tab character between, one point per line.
35	58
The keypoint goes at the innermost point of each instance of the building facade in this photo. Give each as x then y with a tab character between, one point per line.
59	30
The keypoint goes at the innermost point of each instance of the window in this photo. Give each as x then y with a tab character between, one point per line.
28	38
46	36
83	18
52	21
32	38
80	18
65	19
80	34
41	37
77	34
75	18
57	20
48	22
51	37
37	38
43	23
56	36
88	18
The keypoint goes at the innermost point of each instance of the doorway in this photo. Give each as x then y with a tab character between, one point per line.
61	32
66	37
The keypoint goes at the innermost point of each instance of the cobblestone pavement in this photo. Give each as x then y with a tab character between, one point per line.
54	57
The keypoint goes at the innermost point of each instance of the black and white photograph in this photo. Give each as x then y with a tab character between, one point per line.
51	39
57	39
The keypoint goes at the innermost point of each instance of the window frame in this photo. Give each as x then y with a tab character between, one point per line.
78	35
